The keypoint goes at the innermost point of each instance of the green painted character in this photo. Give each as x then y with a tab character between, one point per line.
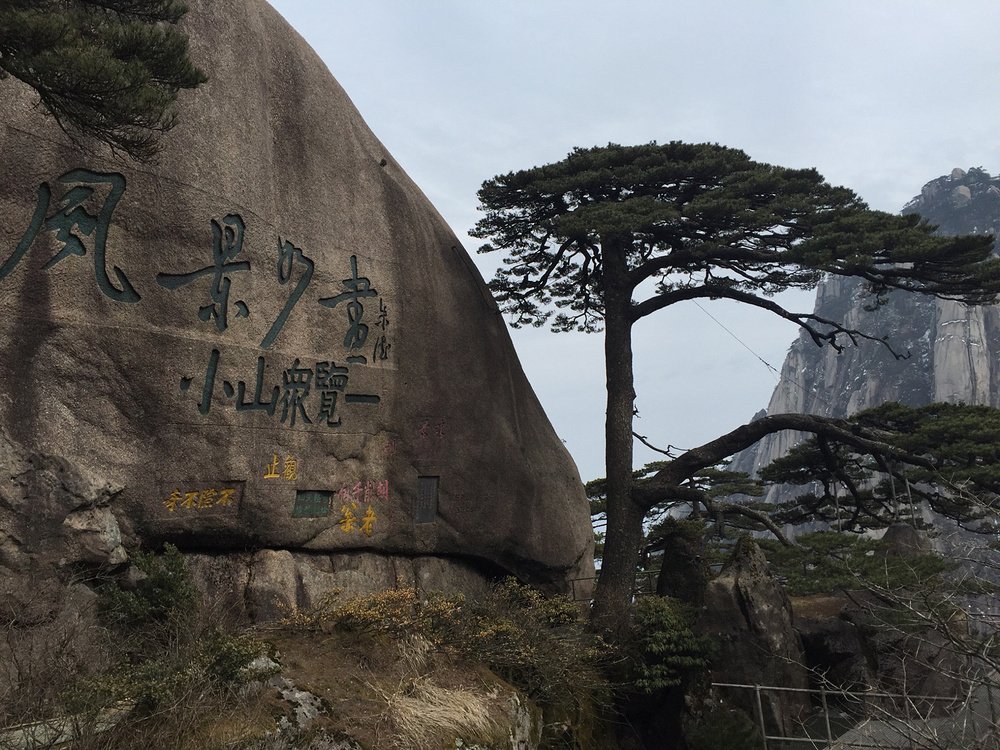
72	222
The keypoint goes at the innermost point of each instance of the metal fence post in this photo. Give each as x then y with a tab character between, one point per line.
826	713
760	715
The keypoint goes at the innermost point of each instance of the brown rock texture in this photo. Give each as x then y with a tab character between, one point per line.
269	340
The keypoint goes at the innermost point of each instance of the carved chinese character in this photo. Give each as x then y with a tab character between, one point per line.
357	289
381	349
258	403
291	470
288	256
174	498
207	498
330	382
227	243
368	521
382	321
349	519
206	392
72	222
272	469
295	387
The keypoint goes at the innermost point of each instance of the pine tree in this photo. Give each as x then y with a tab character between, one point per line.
953	469
107	69
678	222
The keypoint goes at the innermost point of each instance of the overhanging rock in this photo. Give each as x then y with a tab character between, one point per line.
270	339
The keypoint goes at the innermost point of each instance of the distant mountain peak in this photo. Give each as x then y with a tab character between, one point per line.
954	350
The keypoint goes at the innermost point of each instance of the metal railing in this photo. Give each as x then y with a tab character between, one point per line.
879	720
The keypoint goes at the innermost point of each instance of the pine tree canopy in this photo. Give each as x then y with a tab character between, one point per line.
109	69
704	221
953	467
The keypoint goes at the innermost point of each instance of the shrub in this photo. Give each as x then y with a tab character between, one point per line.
536	644
169	659
216	663
164	593
667	650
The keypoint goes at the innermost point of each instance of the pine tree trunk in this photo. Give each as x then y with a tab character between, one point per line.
623	536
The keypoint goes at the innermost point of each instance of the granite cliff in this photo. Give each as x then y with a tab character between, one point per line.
952	351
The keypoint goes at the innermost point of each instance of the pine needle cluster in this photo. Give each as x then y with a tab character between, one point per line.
107	69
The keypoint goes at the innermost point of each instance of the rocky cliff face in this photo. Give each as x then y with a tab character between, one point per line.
953	351
269	340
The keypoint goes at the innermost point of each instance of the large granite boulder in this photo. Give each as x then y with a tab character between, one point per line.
269	340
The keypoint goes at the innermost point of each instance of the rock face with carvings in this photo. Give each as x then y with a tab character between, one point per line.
268	348
953	350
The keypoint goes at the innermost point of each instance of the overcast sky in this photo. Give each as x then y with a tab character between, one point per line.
881	96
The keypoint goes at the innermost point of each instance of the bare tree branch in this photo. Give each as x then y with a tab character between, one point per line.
807	321
665	483
665	451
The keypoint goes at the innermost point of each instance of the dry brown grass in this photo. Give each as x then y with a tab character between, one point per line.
817	605
424	715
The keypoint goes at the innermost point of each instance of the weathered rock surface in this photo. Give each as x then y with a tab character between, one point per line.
749	617
53	517
851	643
269	342
953	350
269	584
832	643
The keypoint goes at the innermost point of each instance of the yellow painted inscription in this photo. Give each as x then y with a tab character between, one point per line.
277	470
349	519
197	499
368	521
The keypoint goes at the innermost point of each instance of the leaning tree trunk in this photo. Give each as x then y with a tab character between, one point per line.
623	536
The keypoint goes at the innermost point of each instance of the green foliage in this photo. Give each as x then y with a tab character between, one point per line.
583	236
697	217
110	69
666	646
663	524
722	728
949	458
167	655
828	561
164	595
214	664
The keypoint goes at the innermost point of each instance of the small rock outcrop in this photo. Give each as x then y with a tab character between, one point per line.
267	349
748	616
850	643
54	517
